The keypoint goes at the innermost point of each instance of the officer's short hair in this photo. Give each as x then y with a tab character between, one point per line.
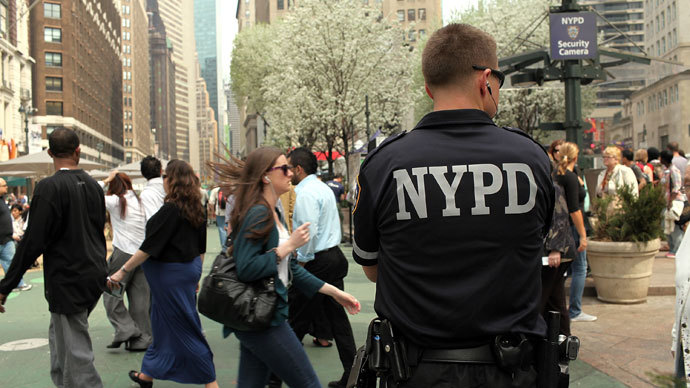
673	146
451	52
304	158
150	167
62	142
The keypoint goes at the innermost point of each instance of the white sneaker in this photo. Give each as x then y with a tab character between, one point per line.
584	318
25	287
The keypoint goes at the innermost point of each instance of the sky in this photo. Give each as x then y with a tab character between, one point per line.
227	9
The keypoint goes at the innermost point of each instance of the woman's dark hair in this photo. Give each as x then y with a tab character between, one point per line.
18	207
552	147
243	179
183	191
119	186
666	157
652	153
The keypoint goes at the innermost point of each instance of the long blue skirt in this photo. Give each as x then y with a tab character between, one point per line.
179	351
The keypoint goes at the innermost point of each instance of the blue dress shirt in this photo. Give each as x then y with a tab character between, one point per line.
315	203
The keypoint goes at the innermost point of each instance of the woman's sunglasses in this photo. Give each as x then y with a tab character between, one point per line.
284	167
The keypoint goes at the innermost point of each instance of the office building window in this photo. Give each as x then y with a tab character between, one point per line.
663	20
54	108
412	36
411	15
421	13
126	22
3	17
51	34
125	9
281	4
51	10
125	35
401	15
54	84
422	34
53	59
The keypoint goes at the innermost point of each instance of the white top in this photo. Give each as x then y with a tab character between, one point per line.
128	232
213	201
283	236
152	196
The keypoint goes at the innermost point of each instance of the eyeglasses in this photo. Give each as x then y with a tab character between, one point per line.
284	167
499	74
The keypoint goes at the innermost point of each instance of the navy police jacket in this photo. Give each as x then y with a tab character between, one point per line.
454	214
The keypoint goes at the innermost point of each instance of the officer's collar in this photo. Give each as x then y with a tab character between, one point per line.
454	117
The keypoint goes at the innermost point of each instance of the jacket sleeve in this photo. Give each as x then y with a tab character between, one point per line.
45	218
305	282
253	260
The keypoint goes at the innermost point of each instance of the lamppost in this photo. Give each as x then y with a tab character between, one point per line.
27	110
99	147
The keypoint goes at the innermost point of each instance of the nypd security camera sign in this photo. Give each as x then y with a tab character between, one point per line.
573	35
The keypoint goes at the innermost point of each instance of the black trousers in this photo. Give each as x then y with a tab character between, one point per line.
330	266
553	294
446	375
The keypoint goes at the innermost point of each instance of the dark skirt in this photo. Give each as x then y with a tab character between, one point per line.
179	351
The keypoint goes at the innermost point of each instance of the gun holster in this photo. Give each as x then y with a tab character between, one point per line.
554	354
512	352
383	355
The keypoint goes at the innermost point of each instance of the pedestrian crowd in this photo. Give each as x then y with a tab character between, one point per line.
158	246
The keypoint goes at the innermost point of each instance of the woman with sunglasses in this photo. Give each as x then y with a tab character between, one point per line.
262	248
172	255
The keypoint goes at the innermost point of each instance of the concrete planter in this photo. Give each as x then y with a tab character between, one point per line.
622	270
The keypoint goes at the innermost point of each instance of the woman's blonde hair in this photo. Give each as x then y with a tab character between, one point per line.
613	151
641	155
568	152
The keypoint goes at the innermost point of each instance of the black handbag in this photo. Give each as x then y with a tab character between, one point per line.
236	304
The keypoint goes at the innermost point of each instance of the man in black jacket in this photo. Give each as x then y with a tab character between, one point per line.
67	220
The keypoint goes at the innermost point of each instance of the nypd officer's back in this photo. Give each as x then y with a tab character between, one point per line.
449	222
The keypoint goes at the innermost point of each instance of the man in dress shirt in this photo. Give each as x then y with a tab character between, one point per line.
153	194
315	203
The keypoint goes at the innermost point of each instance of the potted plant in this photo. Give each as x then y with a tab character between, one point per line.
626	239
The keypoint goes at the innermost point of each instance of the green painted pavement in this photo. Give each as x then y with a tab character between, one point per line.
27	316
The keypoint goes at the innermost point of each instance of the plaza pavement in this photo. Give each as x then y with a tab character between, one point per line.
618	349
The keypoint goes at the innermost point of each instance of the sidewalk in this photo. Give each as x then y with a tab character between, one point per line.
617	350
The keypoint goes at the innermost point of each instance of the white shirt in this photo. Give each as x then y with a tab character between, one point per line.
213	201
283	236
152	197
128	232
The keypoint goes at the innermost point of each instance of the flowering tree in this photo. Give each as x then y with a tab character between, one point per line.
327	57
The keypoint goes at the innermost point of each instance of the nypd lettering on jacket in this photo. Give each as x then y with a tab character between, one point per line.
483	180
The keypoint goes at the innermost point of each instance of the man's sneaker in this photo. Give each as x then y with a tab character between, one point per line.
584	318
671	255
25	287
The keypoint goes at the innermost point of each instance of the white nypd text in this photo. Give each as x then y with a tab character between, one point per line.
418	197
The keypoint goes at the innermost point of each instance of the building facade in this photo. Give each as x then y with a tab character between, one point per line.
208	131
232	133
15	87
77	82
162	92
136	101
625	16
417	17
176	14
661	110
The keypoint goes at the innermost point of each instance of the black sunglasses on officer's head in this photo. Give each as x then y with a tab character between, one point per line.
284	167
499	74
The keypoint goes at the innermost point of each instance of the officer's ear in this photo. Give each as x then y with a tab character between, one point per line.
428	91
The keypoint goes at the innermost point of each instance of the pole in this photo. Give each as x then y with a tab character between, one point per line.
366	113
26	130
573	102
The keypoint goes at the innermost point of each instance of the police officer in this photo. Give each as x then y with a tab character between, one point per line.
449	223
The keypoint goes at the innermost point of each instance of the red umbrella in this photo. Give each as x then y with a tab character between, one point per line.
322	155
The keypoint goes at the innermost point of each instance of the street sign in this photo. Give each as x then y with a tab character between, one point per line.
573	35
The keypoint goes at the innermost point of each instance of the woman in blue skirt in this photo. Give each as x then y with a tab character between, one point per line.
172	254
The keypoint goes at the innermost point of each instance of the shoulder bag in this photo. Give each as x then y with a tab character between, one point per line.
236	304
